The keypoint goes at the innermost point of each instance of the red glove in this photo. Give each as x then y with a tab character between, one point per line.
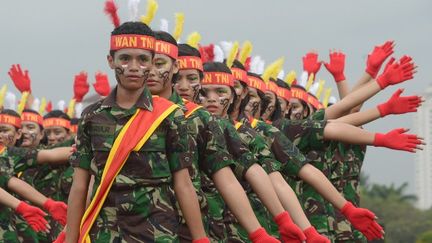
396	139
398	72
313	236
377	58
336	66
363	220
61	238
261	236
81	87
202	240
102	85
58	210
311	63
288	230
20	79
33	215
399	105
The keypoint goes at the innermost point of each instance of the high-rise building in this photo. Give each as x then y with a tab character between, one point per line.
423	164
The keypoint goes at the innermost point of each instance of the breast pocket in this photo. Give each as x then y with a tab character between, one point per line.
150	161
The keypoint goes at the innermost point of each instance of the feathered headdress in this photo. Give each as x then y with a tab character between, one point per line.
111	10
178	29
193	39
152	7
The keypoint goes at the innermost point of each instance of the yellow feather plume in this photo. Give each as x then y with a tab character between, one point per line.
320	88
193	39
326	97
23	101
245	51
310	82
3	91
71	108
272	69
232	55
42	106
179	22
290	77
278	67
152	7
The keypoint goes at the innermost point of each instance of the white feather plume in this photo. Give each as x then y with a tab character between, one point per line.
164	25
332	100
313	90
218	54
10	101
281	75
36	104
303	79
61	105
133	9
260	67
254	63
226	47
78	110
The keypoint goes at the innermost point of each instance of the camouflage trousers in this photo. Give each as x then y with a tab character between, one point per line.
263	215
8	233
145	214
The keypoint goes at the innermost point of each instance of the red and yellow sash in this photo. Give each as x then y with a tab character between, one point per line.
237	125
254	122
2	149
191	108
131	138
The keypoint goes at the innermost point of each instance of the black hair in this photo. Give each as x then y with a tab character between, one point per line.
282	84
223	68
187	50
132	27
34	112
74	121
57	114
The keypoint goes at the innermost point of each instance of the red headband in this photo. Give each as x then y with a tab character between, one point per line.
240	75
299	94
219	78
272	86
190	62
10	120
166	48
256	83
31	117
132	41
74	128
314	102
283	93
56	122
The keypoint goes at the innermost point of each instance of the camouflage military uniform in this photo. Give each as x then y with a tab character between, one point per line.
140	206
244	160
258	146
209	154
7	230
308	136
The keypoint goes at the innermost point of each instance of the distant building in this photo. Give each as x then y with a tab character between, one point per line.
423	159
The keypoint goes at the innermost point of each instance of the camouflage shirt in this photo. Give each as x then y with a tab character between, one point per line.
141	202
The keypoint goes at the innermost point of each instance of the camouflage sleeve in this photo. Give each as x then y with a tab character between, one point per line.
83	156
177	143
305	134
22	158
6	172
258	146
242	155
212	147
286	152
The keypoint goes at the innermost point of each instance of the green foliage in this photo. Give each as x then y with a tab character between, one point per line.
396	212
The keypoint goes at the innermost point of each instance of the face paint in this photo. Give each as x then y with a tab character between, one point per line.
164	76
195	91
224	103
255	107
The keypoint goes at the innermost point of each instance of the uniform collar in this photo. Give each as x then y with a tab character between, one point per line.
143	102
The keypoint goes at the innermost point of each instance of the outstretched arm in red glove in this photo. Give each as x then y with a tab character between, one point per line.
58	210
33	215
336	67
363	220
81	86
102	86
398	140
395	105
261	236
311	63
394	73
20	79
312	236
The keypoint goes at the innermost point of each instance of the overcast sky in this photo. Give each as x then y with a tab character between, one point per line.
54	40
